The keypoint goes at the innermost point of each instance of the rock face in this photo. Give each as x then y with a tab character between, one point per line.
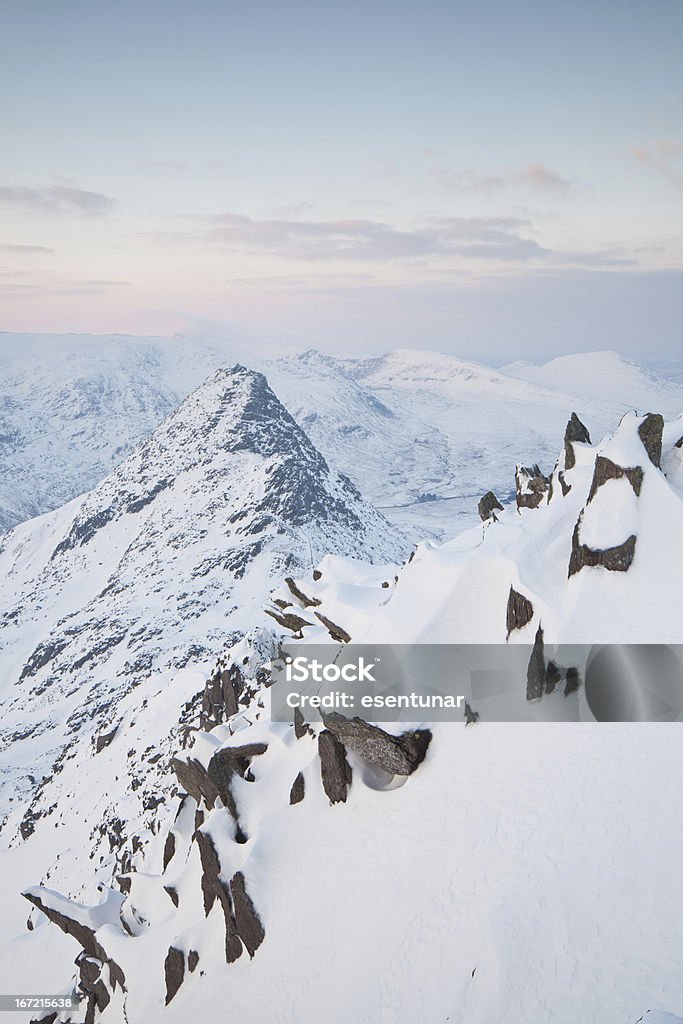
616	559
650	433
520	611
298	790
488	506
249	927
535	675
337	633
221	696
574	431
398	755
531	486
335	770
605	470
174	972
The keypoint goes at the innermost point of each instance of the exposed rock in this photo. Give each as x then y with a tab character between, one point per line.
169	849
173	894
220	700
335	770
194	779
307	602
605	470
531	486
616	559
214	888
90	975
552	677
574	431
486	506
249	927
174	972
104	740
471	717
650	433
336	632
226	763
520	611
298	790
82	933
398	755
288	620
192	960
573	681
317	575
300	726
535	673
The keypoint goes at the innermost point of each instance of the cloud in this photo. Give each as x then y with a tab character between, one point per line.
27	249
665	156
57	199
498	238
535	176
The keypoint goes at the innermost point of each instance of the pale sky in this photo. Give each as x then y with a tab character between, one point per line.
500	179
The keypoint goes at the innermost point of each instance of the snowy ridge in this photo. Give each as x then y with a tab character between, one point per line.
490	891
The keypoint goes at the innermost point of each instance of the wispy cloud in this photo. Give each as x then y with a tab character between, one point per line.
498	238
665	156
534	176
57	199
18	250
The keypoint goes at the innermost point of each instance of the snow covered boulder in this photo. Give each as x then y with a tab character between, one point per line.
531	486
650	433
487	506
397	755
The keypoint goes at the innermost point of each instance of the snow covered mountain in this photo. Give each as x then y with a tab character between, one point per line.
415	431
166	559
495	875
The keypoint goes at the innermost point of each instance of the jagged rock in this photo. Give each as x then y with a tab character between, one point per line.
90	976
169	849
317	575
249	927
83	934
616	559
213	888
174	971
300	727
298	790
220	700
335	770
487	504
535	673
307	602
650	433
336	632
552	677
288	620
471	717
572	681
173	894
194	779
104	740
398	755
226	763
281	603
605	470
520	611
574	431
192	960
531	486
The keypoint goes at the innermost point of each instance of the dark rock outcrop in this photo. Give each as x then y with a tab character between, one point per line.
192	960
531	486
169	849
193	778
220	700
398	755
249	927
223	766
572	681
552	677
337	633
605	470
335	770
288	620
487	506
298	790
650	433
520	611
616	559
300	726
307	602
174	971
535	673
214	888
574	431
471	717
105	739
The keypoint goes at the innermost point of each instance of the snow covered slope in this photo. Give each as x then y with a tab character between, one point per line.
516	873
171	555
